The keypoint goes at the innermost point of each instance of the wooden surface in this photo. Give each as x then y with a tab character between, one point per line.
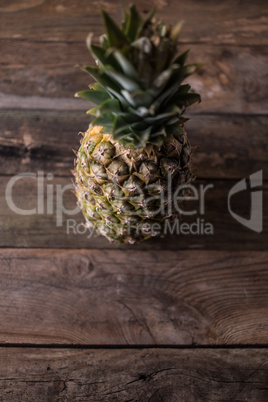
227	147
180	318
41	230
134	375
110	297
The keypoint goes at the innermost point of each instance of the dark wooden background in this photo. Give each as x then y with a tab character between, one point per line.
183	318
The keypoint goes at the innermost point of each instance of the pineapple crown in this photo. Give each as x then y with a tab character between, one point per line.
138	80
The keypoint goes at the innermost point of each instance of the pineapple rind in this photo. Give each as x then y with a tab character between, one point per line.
122	191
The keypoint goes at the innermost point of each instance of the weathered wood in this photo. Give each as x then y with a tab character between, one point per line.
230	22
40	140
110	297
133	375
233	79
131	297
38	229
227	146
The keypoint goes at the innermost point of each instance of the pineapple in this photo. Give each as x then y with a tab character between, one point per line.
135	153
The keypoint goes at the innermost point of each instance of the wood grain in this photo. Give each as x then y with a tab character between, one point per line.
45	229
227	146
133	375
68	20
110	297
114	301
233	79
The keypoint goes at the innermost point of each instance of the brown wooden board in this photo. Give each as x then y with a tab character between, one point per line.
133	375
213	227
180	318
224	22
233	79
226	146
110	297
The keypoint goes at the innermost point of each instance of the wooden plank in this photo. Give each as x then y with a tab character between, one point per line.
233	79
52	227
110	297
69	20
227	146
137	375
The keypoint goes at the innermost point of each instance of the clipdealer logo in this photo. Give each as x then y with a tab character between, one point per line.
50	194
45	197
255	222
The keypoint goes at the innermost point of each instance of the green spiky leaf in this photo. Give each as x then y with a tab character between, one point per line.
184	88
139	77
181	59
138	98
100	54
126	67
176	31
97	97
160	118
106	120
133	23
186	99
110	106
122	81
101	77
115	36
